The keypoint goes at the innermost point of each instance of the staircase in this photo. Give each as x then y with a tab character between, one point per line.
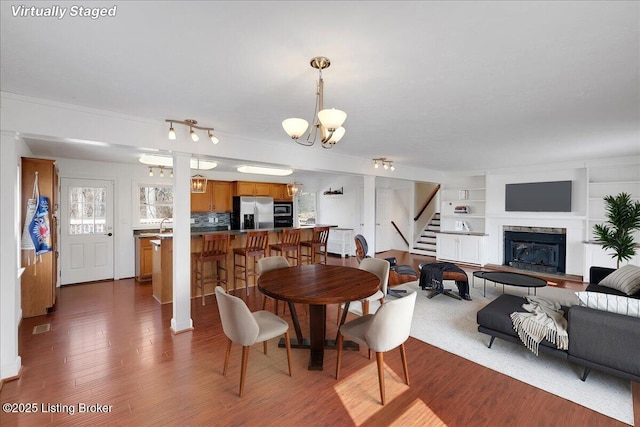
426	243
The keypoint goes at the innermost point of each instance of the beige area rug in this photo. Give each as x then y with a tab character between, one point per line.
451	325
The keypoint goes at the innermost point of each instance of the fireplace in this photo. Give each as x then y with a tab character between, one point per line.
539	249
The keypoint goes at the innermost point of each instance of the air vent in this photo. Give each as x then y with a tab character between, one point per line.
42	328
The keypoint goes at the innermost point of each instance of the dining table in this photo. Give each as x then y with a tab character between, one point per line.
318	285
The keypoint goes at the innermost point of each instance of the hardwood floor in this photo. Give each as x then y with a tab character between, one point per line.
109	344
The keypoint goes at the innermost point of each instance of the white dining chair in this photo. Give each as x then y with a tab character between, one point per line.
380	267
383	331
243	327
267	264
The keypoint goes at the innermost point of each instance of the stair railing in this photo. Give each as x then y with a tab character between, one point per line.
400	233
433	194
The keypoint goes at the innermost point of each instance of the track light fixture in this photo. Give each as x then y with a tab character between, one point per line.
162	168
193	124
387	164
328	121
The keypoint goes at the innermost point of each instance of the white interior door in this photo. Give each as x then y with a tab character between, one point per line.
384	230
86	232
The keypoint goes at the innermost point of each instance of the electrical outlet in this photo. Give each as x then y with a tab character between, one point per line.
193	220
211	219
215	220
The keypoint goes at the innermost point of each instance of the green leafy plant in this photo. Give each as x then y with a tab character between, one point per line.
623	218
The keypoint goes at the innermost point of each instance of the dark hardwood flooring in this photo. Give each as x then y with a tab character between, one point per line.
110	344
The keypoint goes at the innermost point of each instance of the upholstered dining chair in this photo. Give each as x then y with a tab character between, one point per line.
383	331
243	327
268	264
379	267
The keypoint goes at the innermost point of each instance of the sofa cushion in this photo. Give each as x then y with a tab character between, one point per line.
611	303
626	279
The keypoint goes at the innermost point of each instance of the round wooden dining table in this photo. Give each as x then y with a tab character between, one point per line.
317	285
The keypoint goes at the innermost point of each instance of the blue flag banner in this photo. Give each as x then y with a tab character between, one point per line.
39	227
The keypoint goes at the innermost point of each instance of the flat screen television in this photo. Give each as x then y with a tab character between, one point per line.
554	196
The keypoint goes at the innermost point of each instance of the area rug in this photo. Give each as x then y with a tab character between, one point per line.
451	325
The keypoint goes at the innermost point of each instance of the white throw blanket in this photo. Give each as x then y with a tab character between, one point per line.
543	320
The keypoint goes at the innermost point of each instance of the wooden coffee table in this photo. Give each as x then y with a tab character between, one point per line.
511	279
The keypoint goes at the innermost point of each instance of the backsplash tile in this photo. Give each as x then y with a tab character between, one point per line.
202	219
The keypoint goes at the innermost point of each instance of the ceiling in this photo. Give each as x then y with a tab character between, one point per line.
440	85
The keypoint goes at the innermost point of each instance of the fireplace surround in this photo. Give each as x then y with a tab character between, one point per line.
541	249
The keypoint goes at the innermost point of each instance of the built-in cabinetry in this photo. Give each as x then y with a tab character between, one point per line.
466	248
39	280
340	241
607	181
217	198
279	192
144	259
248	188
610	181
463	191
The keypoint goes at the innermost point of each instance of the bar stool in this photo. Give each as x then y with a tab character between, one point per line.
290	243
317	246
214	250
255	246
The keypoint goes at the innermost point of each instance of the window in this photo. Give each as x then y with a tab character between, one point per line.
156	203
87	210
307	208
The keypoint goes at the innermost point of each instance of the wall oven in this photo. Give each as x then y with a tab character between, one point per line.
283	214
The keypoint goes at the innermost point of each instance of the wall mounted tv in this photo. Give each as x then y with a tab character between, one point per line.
554	196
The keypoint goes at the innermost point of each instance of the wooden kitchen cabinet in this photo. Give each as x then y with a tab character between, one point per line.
144	253
248	188
279	192
39	280
217	198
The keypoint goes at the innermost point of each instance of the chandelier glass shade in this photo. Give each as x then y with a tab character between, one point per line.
328	122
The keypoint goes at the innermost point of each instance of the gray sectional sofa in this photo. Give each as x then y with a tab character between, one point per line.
600	340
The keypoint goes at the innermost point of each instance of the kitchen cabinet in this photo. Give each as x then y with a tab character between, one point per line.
248	188
144	259
217	198
467	248
39	280
279	192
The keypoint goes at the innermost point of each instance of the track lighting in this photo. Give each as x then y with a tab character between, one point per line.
192	125
387	164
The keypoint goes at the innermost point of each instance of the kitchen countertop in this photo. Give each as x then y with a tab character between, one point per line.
206	230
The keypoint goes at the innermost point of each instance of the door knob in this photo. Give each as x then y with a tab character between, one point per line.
109	234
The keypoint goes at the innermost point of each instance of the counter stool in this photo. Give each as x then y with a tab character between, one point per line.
255	246
214	250
316	246
290	243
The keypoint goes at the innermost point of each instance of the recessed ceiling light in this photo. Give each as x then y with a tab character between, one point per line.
153	160
265	171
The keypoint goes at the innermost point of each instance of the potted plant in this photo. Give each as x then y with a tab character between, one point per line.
623	218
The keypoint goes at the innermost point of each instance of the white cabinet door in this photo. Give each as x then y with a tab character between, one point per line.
447	247
469	249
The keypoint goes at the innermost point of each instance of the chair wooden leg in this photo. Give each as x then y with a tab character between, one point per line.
404	364
243	371
287	344
246	275
226	357
202	281
264	346
380	360
365	307
339	348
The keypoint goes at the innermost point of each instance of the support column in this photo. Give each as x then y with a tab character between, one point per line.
181	321
10	302
369	213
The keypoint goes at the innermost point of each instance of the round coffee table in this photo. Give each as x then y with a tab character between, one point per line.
511	279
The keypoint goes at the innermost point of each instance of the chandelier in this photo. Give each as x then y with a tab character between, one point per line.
198	182
294	189
387	164
192	125
326	121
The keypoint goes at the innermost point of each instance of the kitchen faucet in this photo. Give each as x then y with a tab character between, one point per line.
162	224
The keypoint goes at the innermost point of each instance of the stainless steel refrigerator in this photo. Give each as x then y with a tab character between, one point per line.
252	212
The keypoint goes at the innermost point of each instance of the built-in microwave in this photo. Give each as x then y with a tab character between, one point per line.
283	209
